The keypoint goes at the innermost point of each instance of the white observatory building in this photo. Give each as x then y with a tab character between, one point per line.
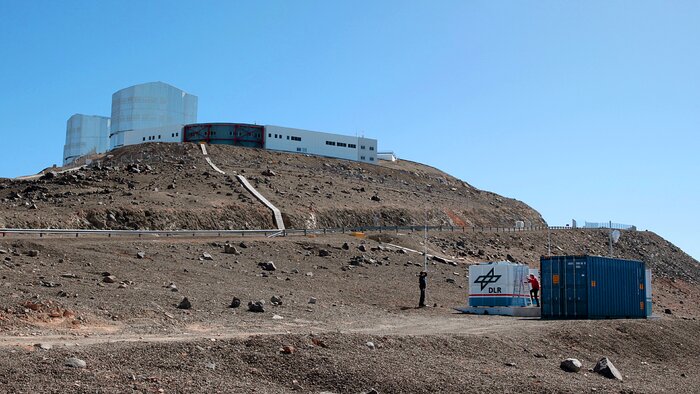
85	135
150	112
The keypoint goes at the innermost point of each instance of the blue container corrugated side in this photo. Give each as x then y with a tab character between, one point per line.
592	287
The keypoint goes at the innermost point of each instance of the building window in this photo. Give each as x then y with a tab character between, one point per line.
371	159
330	143
287	137
144	138
269	135
353	146
371	148
296	138
362	157
343	144
158	136
362	147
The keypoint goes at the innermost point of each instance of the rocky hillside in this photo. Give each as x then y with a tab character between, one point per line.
171	186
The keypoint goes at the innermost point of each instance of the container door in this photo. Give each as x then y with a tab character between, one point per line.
647	290
581	288
551	292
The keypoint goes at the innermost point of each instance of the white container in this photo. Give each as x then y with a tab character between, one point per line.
501	284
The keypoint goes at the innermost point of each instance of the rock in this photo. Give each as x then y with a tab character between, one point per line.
122	286
288	349
668	311
268	266
345	246
370	345
184	304
276	300
109	279
540	355
310	274
570	365
211	366
243	245
257	306
323	253
510	364
74	362
172	287
230	249
207	256
372	391
277	317
312	300
140	255
235	303
375	198
268	172
44	346
32	253
362	248
510	258
450	280
606	368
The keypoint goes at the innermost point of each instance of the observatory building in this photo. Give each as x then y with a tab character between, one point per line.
158	112
85	135
150	112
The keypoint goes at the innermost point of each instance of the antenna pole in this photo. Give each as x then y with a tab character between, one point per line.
425	242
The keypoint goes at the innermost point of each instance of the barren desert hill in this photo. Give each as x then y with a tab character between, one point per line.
171	186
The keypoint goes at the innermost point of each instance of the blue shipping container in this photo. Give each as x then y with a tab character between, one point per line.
592	287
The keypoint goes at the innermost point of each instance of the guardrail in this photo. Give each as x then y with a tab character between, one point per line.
269	232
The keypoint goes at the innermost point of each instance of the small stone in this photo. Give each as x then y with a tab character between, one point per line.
230	249
207	256
345	246
268	266
257	306
370	345
184	304
668	311
362	248
277	317
74	362
606	368
140	255
323	253
570	365
44	346
288	349
122	286
310	274
32	253
276	300
235	303
211	366
510	365
109	279
312	300
243	245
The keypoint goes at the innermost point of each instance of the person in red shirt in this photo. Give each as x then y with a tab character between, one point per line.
535	288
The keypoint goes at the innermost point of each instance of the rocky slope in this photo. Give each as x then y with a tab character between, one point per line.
170	186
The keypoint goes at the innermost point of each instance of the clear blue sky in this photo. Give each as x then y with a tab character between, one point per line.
586	109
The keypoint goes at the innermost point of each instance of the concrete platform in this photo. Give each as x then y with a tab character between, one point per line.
528	311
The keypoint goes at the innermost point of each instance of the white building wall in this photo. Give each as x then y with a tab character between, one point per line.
287	139
85	134
153	108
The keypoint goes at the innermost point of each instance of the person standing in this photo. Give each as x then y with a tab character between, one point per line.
535	289
422	284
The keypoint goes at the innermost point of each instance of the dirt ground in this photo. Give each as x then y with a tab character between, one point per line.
134	339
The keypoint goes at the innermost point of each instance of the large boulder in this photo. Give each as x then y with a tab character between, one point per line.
606	368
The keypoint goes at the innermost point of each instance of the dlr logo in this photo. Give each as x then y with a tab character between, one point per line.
494	289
